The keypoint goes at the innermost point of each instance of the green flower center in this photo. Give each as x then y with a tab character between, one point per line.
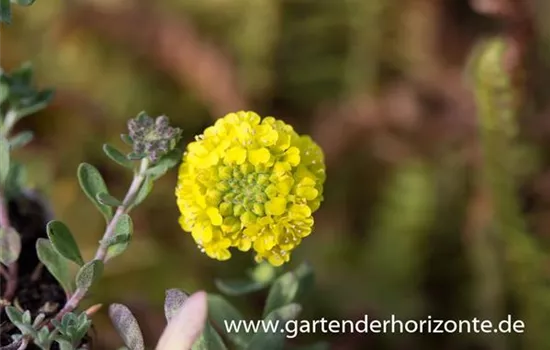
243	192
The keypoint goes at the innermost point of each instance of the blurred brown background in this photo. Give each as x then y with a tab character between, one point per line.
379	84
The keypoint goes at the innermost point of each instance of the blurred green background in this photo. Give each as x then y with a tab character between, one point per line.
379	84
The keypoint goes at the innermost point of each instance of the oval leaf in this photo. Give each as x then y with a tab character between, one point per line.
164	164
145	189
123	235
275	340
89	273
127	326
116	156
55	263
283	292
64	242
92	183
107	199
21	139
221	311
173	302
10	245
25	2
239	286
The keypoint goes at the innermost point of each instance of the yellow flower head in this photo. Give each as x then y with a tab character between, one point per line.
251	184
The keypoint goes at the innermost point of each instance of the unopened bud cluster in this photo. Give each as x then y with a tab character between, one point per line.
152	138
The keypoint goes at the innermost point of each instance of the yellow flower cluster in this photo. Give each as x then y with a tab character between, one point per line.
249	183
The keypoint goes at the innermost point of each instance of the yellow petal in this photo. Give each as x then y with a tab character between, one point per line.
235	155
276	206
214	215
307	192
258	156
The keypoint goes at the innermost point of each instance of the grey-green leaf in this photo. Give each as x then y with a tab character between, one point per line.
55	263
10	245
239	286
64	242
24	2
107	199
21	139
221	311
145	189
89	273
116	156
127	326
283	292
164	164
123	234
4	159
173	302
14	314
92	183
40	101
275	340
209	340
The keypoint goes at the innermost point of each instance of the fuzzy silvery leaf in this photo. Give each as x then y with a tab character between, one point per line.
55	263
5	11
89	274
123	234
64	344
10	245
63	241
275	340
173	302
238	287
189	326
37	103
127	326
164	164
38	320
14	314
92	183
24	2
21	139
116	156
4	159
306	277
288	287
135	156
26	317
221	311
107	199
144	191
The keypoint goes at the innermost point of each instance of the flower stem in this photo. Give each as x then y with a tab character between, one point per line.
101	252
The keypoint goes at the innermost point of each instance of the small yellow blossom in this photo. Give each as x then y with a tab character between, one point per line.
250	183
